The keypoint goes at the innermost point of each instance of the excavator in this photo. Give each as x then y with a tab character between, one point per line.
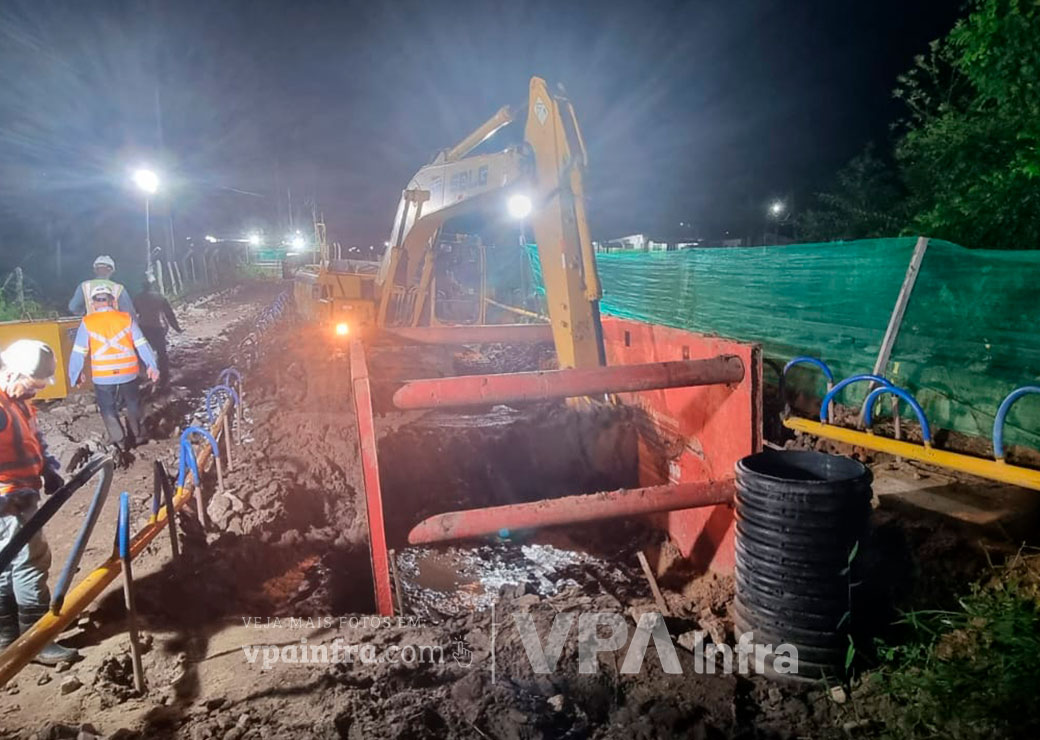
539	180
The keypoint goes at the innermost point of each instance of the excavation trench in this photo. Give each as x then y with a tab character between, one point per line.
292	535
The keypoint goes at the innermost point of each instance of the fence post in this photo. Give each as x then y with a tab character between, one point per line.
180	281
896	319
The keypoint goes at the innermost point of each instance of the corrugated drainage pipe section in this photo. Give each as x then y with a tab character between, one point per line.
799	517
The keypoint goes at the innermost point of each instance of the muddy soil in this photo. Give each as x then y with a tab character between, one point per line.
243	630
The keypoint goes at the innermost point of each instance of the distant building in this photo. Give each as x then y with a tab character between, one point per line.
631	243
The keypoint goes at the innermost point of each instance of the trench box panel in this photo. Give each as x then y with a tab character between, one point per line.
691	434
58	334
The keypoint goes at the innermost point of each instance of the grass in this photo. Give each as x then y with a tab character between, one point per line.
971	672
11	311
256	272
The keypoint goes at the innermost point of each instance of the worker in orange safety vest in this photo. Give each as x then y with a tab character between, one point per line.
26	367
114	341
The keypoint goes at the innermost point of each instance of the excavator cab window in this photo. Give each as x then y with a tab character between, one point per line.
458	273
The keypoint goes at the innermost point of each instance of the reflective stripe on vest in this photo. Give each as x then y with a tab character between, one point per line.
89	285
21	455
111	344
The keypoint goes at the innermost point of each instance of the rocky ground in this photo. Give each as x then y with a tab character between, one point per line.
264	627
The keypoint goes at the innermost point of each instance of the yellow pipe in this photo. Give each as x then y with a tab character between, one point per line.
997	470
46	630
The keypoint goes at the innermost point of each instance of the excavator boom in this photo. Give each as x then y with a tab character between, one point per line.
547	169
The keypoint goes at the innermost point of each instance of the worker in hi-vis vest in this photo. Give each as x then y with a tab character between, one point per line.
26	368
114	341
104	266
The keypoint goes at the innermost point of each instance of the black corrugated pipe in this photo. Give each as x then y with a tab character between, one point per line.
800	515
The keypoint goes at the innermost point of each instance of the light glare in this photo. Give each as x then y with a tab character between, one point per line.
147	181
519	206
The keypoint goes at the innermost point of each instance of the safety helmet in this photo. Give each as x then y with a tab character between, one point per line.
29	357
101	290
105	261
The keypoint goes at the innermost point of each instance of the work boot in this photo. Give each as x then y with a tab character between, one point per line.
120	454
8	629
52	654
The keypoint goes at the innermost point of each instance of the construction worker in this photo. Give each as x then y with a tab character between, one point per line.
114	340
104	266
152	310
26	367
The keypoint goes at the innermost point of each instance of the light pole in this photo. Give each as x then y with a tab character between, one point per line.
148	182
779	214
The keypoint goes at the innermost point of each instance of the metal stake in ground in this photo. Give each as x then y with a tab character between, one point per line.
658	596
227	441
397	581
128	589
896	320
166	489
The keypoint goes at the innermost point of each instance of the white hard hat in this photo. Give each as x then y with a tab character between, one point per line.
106	261
100	290
29	357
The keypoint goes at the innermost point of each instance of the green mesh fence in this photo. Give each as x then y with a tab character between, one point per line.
970	335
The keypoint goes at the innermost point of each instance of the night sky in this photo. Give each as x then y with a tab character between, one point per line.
697	112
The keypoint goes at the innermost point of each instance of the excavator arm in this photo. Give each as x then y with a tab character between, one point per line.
572	289
547	169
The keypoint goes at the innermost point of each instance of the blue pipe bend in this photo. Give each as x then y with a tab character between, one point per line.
807	360
187	456
226	389
926	431
226	374
849	381
187	461
1002	412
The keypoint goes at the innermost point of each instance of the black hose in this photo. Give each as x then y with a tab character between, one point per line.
50	508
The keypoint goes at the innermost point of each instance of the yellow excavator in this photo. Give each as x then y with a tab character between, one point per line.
539	179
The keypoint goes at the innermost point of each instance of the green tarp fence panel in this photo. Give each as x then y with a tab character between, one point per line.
971	332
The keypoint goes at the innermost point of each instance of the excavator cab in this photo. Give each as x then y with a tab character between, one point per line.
459	277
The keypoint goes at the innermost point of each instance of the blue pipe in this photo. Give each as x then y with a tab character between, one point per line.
186	460
226	373
227	390
124	525
187	451
926	431
849	381
1002	412
801	360
807	360
61	588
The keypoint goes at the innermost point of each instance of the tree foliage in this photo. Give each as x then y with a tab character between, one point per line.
867	201
967	154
